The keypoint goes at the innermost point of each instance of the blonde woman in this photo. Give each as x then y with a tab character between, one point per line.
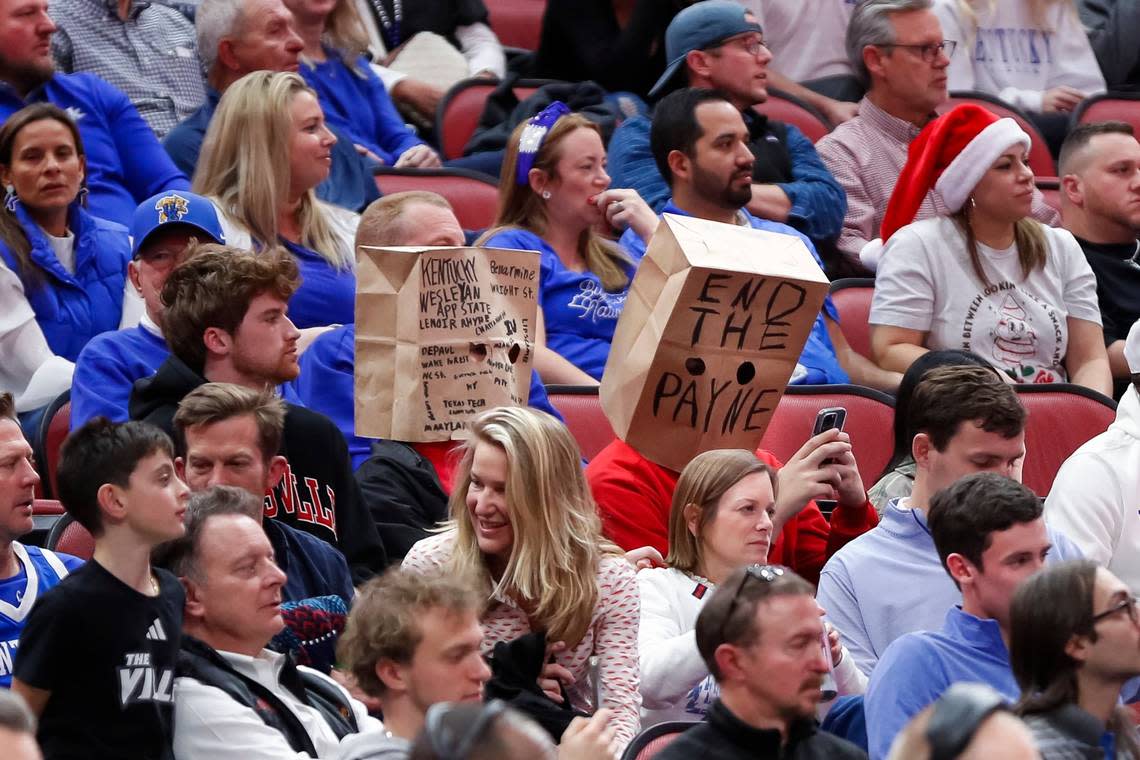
352	95
1033	54
553	192
721	520
266	150
523	526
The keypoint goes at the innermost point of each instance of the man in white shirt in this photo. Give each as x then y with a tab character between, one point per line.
233	698
1096	496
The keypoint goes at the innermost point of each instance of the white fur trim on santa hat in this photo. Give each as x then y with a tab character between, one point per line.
966	170
870	254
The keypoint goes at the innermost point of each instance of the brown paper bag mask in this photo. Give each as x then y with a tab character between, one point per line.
716	318
442	334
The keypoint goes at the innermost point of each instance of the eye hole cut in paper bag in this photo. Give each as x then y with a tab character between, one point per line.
714	323
442	334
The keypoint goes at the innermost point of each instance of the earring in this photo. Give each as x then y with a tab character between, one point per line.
546	195
10	197
82	196
973	203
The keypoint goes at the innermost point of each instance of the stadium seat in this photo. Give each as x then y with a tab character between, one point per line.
1050	188
473	195
1061	418
458	114
870	423
70	537
580	407
1040	159
45	514
54	427
789	109
852	298
1110	106
517	23
655	738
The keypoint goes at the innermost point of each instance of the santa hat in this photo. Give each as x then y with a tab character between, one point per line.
949	155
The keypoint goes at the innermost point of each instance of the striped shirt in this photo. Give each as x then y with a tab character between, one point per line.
152	56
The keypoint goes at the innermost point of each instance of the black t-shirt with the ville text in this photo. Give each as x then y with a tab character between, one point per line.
106	653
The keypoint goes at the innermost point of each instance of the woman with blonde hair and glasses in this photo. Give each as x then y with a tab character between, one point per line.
266	150
721	520
523	526
554	194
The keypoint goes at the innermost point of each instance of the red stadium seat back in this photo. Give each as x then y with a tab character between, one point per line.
473	195
1061	418
1040	159
655	738
1051	190
70	537
54	427
517	23
1110	106
582	410
852	298
870	423
789	109
48	507
459	112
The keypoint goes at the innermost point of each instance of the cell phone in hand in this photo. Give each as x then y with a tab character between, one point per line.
831	418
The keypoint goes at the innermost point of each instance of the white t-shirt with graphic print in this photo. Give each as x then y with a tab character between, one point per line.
925	282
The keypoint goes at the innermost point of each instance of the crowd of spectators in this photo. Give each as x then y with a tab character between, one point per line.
187	186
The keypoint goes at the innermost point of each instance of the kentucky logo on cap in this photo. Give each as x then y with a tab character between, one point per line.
171	208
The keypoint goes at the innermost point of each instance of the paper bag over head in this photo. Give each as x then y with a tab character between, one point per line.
714	323
442	334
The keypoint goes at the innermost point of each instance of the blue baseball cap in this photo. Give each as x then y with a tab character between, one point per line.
697	27
174	207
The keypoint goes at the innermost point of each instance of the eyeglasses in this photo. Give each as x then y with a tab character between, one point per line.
750	45
766	573
446	743
928	52
1128	604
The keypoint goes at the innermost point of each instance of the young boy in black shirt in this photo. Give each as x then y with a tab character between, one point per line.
96	658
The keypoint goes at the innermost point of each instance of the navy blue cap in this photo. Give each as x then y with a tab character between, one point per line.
174	207
697	27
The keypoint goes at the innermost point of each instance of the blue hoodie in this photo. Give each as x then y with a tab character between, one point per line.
125	162
889	582
107	369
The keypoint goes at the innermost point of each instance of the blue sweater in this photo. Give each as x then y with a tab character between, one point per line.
889	582
357	105
108	367
818	364
818	202
125	162
580	315
71	309
325	385
349	184
918	667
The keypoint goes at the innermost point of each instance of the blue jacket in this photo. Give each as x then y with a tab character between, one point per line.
71	309
312	567
918	667
349	184
889	582
358	106
107	369
818	364
818	202
125	163
325	385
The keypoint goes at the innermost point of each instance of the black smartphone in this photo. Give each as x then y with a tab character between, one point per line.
827	419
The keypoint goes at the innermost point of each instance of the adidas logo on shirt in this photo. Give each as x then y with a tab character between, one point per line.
156	632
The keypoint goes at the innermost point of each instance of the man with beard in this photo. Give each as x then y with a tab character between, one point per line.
759	636
1100	205
225	322
124	161
700	143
